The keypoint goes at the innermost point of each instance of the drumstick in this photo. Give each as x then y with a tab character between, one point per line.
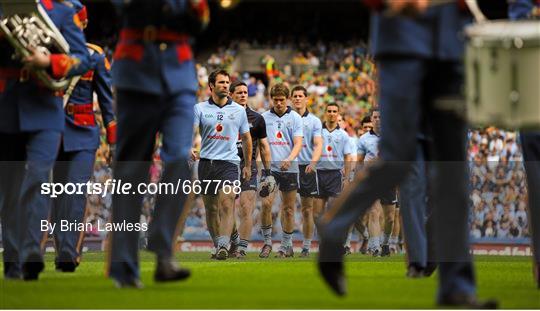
476	12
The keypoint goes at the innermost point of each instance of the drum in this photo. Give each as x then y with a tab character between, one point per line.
502	70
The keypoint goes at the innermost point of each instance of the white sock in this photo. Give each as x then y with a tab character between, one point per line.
307	244
243	245
286	240
223	241
267	234
373	243
348	241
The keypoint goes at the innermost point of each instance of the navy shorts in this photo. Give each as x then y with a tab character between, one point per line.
286	181
309	186
217	170
250	184
330	183
389	198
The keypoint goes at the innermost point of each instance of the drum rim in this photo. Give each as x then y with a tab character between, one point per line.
486	31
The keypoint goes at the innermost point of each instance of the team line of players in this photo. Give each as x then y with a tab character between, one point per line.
299	154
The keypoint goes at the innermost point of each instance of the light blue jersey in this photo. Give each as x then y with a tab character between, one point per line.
281	131
368	146
336	145
220	128
354	143
312	129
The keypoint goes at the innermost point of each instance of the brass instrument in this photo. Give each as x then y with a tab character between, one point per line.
26	25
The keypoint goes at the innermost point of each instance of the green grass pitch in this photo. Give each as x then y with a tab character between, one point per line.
263	284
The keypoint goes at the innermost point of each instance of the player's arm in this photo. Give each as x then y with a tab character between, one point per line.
347	168
196	122
267	180
264	146
348	151
352	152
360	154
317	148
298	134
359	161
297	147
297	141
195	154
247	147
266	156
353	163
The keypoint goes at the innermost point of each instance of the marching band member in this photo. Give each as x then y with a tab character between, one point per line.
31	124
154	73
75	163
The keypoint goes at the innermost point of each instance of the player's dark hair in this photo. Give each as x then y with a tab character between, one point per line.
333	104
299	88
373	110
279	89
236	84
213	76
366	119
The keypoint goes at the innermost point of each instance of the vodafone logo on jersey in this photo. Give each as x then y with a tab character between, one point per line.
280	140
329	154
217	136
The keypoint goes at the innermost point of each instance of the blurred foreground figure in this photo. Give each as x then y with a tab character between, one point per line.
31	126
75	162
154	74
419	53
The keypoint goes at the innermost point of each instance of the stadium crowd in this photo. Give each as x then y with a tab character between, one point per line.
499	192
345	74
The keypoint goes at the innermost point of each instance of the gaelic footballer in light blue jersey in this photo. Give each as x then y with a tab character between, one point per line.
221	122
312	128
367	151
281	130
335	160
219	128
240	238
308	158
337	145
284	130
368	147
